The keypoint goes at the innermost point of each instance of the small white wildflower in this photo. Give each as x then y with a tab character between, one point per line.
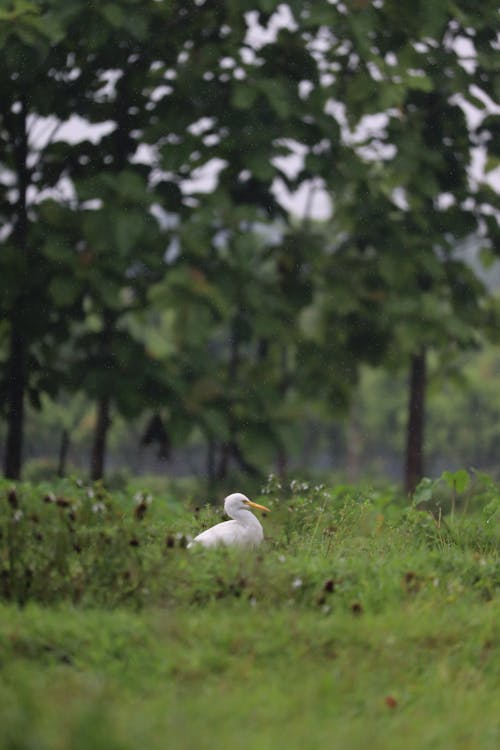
253	601
326	609
143	498
98	508
296	583
282	558
17	515
435	582
90	494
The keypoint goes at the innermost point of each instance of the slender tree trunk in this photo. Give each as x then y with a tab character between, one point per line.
281	452
63	453
354	444
16	367
226	448
282	462
223	462
100	436
15	405
211	466
414	461
103	421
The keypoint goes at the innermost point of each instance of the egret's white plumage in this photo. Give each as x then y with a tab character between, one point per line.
245	530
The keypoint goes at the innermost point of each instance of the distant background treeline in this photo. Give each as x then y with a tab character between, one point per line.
161	309
463	430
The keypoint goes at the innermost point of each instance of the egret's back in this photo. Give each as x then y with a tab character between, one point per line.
230	533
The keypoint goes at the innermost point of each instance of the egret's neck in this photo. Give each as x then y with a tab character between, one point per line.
246	518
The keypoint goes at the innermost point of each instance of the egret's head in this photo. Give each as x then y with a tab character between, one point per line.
237	502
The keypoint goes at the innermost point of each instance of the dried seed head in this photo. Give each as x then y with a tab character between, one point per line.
134	542
49	498
390	701
329	586
411	582
140	510
170	541
357	609
13	498
330	530
61	502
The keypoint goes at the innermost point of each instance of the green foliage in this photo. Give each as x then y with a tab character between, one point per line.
457	480
82	544
112	236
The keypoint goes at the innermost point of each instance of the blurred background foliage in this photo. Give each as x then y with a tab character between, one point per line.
162	310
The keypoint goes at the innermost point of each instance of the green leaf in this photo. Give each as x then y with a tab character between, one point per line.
244	95
492	163
21	8
456	480
276	91
424	491
113	13
64	290
419	83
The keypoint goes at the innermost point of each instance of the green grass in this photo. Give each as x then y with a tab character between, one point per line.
359	622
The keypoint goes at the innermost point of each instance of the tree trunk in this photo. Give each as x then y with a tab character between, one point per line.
103	421
15	405
223	463
414	461
63	453
211	466
281	451
16	367
100	435
354	444
282	462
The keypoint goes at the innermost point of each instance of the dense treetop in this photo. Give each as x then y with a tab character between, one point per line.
147	259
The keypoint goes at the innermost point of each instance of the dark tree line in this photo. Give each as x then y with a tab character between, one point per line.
153	267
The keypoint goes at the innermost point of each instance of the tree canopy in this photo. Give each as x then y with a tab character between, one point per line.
147	259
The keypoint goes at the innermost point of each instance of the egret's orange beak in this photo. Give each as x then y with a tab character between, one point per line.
256	506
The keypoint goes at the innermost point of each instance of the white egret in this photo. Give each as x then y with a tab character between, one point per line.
245	530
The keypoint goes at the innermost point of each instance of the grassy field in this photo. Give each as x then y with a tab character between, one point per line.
359	621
